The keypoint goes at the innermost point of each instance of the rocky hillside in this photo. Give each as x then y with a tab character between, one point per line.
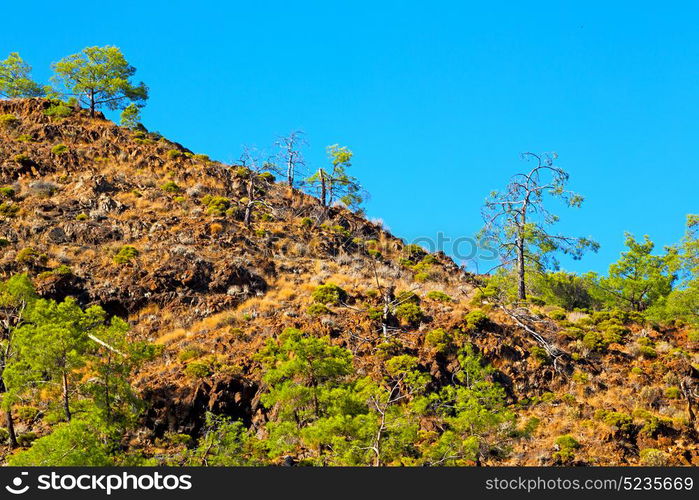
155	234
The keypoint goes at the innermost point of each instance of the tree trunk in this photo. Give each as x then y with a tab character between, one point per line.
521	290
66	401
248	214
323	188
12	438
290	170
92	104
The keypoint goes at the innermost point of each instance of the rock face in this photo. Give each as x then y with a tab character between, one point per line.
155	234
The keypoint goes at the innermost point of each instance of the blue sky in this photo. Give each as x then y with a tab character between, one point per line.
437	99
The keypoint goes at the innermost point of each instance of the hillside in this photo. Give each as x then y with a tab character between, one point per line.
155	234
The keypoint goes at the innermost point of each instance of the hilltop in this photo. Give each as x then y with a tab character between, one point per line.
155	234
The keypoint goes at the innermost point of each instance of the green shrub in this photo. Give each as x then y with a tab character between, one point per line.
421	277
4	242
8	121
621	421
266	177
407	296
476	320
651	457
63	270
21	158
414	253
439	339
438	296
4	435
203	158
174	153
595	341
693	336
27	412
409	313
59	149
8	209
26	256
539	354
7	192
573	332
58	111
170	187
317	309
557	314
375	313
196	369
126	254
306	223
24	138
26	439
566	445
216	205
673	393
81	217
329	294
647	351
190	352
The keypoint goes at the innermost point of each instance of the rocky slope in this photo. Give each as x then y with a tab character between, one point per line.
155	234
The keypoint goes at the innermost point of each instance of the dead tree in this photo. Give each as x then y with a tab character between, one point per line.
291	156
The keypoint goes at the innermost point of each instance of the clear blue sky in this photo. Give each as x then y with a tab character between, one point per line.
436	99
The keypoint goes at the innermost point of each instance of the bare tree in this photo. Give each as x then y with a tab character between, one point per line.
291	155
516	220
255	181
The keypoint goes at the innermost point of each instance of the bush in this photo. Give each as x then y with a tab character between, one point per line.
414	253
125	255
693	336
476	320
26	256
190	352
439	296
43	189
317	310
651	457
21	158
204	158
8	209
27	412
81	217
174	153
409	313
439	339
566	445
24	138
170	187
673	393
8	121
647	351
197	369
59	149
7	192
621	421
539	354
70	444
216	205
595	342
266	177
557	314
329	294
421	277
306	223
58	111
26	439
